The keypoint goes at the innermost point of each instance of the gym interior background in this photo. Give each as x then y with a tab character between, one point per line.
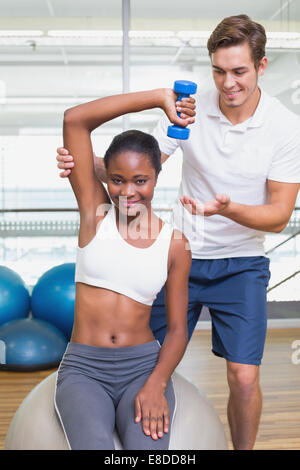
55	54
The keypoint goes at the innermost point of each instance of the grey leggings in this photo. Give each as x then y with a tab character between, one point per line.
95	393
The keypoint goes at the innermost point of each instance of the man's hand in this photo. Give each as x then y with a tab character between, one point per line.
65	162
216	206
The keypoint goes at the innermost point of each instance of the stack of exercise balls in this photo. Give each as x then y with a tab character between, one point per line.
35	328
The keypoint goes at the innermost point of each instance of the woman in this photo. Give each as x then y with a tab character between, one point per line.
114	373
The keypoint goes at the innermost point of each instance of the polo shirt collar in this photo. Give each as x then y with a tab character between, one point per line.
256	120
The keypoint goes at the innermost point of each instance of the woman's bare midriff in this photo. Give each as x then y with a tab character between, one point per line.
109	319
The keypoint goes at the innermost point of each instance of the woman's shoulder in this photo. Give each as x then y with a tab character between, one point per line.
176	236
180	257
180	239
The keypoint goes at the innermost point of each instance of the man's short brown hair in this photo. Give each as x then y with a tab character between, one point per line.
239	29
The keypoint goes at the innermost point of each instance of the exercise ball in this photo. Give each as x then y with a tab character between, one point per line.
14	296
53	297
36	426
30	344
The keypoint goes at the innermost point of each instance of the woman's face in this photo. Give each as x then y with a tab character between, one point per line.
131	180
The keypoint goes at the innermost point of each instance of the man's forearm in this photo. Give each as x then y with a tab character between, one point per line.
266	217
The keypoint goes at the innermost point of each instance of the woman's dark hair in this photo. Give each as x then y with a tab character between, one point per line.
239	29
136	141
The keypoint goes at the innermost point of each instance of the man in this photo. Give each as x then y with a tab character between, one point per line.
241	171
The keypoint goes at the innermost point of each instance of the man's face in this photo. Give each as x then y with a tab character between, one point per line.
235	75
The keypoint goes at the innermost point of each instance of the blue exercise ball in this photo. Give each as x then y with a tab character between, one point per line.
14	296
53	297
30	344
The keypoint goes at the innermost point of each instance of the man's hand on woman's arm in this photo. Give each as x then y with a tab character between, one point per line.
66	163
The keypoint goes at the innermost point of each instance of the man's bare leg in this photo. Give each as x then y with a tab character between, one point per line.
244	405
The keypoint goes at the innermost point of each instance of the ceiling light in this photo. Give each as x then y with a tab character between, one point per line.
20	33
85	34
194	34
151	34
283	35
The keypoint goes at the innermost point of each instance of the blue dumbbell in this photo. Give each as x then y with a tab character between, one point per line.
184	89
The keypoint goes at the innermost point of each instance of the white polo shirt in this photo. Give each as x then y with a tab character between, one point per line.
237	160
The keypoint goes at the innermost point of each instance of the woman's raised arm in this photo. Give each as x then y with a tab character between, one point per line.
79	122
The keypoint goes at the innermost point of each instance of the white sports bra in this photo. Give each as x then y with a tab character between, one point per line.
110	262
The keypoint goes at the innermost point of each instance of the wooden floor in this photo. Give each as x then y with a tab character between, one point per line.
280	382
